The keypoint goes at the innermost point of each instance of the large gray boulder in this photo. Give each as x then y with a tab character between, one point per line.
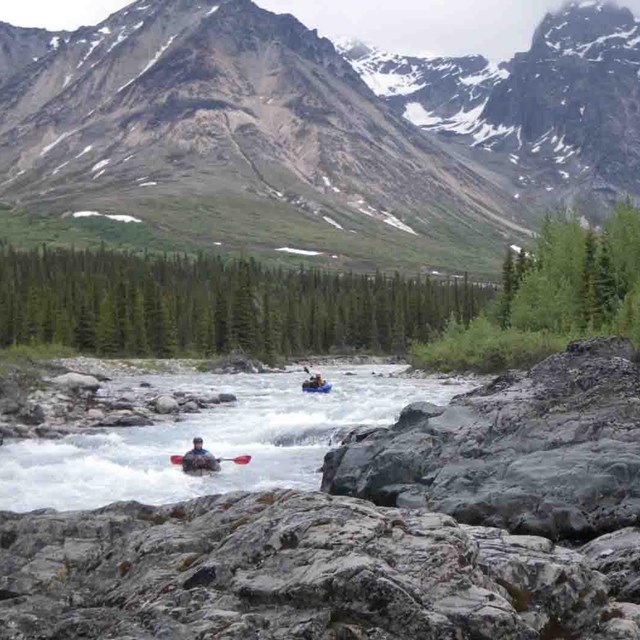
76	382
166	405
284	565
554	452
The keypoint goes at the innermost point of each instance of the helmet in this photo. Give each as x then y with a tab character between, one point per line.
197	441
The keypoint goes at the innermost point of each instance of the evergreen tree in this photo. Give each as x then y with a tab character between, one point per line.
506	298
107	328
606	288
590	309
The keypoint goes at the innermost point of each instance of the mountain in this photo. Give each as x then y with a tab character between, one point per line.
225	124
559	121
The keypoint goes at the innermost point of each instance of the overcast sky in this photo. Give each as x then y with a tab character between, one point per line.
495	28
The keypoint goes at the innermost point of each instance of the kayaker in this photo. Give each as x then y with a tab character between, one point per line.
319	382
199	458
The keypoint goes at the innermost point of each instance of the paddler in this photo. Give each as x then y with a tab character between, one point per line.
199	459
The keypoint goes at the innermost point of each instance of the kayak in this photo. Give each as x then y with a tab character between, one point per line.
325	388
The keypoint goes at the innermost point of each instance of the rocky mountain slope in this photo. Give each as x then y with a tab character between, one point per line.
559	121
221	122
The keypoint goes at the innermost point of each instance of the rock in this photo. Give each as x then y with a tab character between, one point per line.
125	419
76	382
190	407
553	452
145	385
212	398
617	556
227	397
123	404
166	404
32	415
95	414
236	363
284	564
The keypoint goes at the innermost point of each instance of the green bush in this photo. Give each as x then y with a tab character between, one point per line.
36	352
485	348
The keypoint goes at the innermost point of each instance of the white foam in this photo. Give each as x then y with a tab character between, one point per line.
92	470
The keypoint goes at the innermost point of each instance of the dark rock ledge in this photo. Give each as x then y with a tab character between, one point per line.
552	452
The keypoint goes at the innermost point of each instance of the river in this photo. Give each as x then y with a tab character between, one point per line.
285	431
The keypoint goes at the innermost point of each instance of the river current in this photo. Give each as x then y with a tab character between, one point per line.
285	431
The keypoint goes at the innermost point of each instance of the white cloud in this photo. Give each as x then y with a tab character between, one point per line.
495	28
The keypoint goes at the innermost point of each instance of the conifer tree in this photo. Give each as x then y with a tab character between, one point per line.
506	297
590	309
107	328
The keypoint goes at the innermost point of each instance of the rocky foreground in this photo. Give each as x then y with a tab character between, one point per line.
553	452
284	565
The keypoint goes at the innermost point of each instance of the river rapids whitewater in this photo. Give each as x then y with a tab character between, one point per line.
285	431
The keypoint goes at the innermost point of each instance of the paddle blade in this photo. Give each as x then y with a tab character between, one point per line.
176	459
242	460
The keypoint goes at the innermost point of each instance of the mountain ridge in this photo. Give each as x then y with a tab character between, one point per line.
551	124
231	108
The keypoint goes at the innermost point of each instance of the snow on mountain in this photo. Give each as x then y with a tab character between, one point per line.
560	121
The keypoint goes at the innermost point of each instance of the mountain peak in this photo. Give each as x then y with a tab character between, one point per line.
584	28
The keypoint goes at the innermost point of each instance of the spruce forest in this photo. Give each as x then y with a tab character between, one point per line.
115	304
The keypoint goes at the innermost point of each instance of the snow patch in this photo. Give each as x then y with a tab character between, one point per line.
213	10
55	42
84	151
116	217
300	252
100	165
56	142
148	184
333	223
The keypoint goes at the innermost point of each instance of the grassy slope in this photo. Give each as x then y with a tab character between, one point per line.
248	225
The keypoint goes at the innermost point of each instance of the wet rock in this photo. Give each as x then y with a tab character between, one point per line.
227	397
95	414
125	419
32	414
190	407
285	564
166	404
553	452
76	382
146	385
617	556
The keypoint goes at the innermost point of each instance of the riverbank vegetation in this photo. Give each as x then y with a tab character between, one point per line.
115	304
577	282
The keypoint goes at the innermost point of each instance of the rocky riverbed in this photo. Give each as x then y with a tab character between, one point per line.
53	400
282	565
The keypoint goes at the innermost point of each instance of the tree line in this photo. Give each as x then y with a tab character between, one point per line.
112	303
577	280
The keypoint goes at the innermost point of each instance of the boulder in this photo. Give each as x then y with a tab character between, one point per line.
166	404
552	452
190	407
617	556
281	565
76	382
125	419
227	397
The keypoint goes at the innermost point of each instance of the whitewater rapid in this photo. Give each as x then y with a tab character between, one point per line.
287	433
